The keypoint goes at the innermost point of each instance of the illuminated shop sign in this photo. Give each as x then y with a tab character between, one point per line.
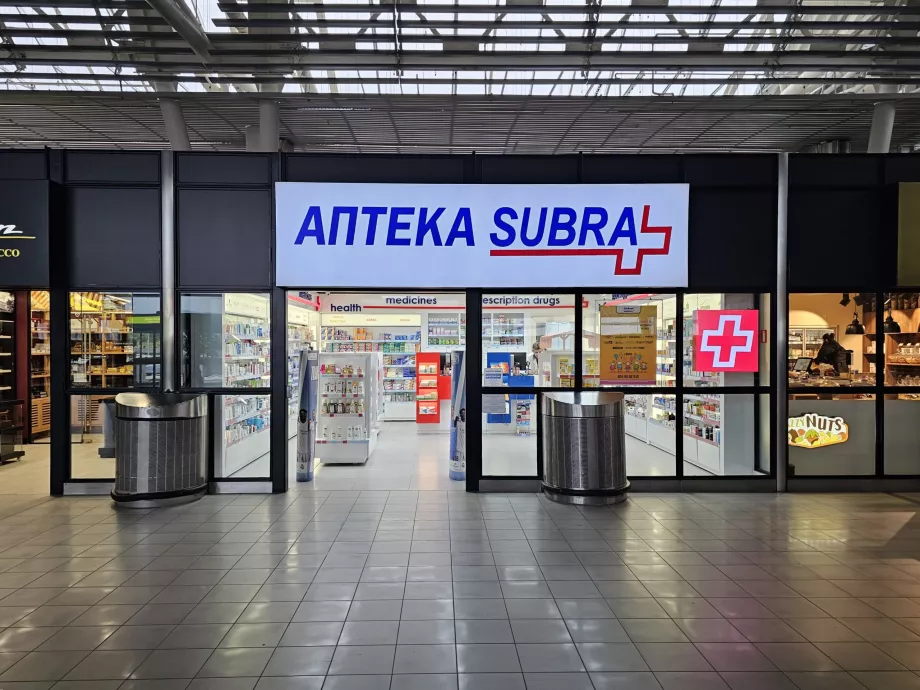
453	236
817	431
725	340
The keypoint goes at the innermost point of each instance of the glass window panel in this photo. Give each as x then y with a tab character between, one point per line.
629	340
92	436
832	339
242	436
720	432
902	433
650	435
509	435
115	340
901	339
831	434
226	340
528	340
725	350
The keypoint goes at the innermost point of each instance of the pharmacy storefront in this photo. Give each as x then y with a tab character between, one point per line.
460	304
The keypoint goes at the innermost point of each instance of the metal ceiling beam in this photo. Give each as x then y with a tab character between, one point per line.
650	79
222	43
534	8
177	14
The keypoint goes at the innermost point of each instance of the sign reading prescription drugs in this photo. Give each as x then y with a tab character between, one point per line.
454	236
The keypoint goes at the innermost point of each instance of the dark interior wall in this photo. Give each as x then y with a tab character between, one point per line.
112	219
224	220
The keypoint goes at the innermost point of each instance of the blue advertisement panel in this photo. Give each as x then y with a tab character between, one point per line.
458	416
306	417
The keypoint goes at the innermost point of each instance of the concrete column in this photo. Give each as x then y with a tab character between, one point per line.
782	318
268	125
168	270
882	125
253	142
174	120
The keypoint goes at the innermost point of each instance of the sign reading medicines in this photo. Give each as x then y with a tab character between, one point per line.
454	236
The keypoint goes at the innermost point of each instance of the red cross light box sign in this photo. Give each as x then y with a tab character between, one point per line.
725	340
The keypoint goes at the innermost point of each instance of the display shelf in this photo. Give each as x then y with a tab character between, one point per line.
522	417
446	332
349	408
503	330
7	346
428	367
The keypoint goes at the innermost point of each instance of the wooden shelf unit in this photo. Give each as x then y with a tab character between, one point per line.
40	362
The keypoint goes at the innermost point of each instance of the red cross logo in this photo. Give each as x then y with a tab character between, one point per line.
725	340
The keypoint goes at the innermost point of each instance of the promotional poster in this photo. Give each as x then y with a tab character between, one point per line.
628	343
306	417
458	416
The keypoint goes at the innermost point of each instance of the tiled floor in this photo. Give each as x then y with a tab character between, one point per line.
407	590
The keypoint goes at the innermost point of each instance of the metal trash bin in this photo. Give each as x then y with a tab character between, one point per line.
584	448
161	449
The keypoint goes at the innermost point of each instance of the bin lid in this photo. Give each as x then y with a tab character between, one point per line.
160	405
582	404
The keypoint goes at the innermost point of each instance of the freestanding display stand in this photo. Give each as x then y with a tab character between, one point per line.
349	402
428	407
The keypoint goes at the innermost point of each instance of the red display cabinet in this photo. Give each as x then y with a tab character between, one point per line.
427	405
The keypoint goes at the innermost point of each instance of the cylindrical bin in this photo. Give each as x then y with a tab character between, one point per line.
584	448
161	449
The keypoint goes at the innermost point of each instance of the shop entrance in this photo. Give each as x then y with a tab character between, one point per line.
389	366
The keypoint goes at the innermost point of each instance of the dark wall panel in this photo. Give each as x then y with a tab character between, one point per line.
836	237
24	257
732	239
528	169
631	169
223	169
323	168
23	165
116	167
113	237
903	167
225	237
830	170
731	170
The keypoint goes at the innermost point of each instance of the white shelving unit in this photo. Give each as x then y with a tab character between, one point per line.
445	332
398	387
302	334
245	418
348	407
503	331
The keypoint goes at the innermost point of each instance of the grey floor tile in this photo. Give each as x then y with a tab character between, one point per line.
299	661
888	680
311	634
483	631
425	609
158	684
596	630
195	636
388	610
858	656
427	632
172	663
369	633
441	681
757	680
532	608
362	682
7	659
137	637
554	681
321	611
25	639
487	658
636	608
37	666
369	660
769	629
291	683
203	613
540	631
734	656
269	612
549	658
223	684
254	635
607	656
653	630
838	680
796	656
709	630
691	681
161	614
425	658
672	656
491	681
108	665
236	663
625	680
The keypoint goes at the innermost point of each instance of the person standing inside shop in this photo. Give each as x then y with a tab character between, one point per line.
832	353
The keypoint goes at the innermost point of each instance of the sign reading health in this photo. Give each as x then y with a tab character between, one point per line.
725	340
455	236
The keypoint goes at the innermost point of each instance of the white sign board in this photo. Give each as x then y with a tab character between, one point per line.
495	236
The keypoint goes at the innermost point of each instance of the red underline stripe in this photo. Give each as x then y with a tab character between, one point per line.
554	252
